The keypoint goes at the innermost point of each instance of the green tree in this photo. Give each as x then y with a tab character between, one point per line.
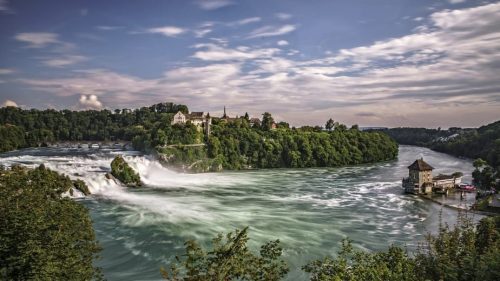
267	121
461	253
330	124
229	259
43	235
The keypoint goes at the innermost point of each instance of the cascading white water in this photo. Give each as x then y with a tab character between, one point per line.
93	168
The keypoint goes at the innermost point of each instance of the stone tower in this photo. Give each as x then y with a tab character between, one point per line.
419	177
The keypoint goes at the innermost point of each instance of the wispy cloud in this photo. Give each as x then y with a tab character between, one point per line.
268	31
200	33
169	31
443	74
4	7
245	21
5	71
61	53
213	4
37	39
283	16
108	27
456	1
64	60
214	52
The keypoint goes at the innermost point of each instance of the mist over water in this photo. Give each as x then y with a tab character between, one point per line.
309	210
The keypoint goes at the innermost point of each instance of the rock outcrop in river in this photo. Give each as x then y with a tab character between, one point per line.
124	173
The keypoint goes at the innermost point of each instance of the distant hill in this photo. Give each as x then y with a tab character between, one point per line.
482	142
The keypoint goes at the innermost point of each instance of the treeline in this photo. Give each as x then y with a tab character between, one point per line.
237	145
146	126
420	136
233	144
483	143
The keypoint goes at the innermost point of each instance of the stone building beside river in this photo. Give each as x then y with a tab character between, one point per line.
421	181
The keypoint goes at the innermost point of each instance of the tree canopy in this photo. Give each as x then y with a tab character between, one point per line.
43	235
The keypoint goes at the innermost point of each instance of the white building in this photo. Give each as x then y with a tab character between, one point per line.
199	119
179	118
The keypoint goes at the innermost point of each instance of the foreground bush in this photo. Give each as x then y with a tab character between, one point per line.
43	236
229	259
463	253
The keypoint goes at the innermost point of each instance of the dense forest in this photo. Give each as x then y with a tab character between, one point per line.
238	145
232	144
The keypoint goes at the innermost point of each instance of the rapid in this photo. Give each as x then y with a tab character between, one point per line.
309	210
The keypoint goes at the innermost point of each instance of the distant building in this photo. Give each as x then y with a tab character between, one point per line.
196	118
445	182
420	180
179	118
199	119
228	119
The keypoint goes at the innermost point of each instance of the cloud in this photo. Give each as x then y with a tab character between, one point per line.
268	31
456	1
37	39
213	52
108	27
4	7
443	75
9	103
61	53
282	43
200	33
213	4
245	21
5	71
283	16
169	31
90	102
64	61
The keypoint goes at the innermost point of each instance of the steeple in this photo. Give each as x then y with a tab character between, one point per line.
224	116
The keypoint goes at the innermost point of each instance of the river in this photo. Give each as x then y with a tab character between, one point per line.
309	210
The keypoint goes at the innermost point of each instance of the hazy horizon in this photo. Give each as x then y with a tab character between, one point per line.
385	63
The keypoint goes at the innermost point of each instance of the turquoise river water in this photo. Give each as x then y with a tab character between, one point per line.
309	210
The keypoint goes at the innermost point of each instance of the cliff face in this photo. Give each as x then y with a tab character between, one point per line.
124	173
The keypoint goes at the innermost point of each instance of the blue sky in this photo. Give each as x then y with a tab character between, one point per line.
373	63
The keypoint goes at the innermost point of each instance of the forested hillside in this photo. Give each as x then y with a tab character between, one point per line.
482	143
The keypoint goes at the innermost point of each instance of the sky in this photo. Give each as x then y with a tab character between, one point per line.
373	63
